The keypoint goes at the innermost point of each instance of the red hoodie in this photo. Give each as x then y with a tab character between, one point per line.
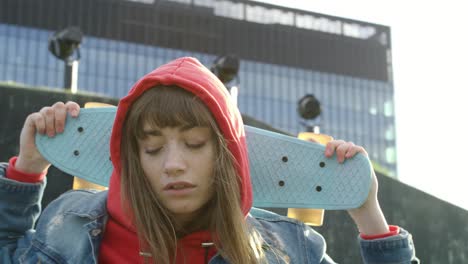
120	244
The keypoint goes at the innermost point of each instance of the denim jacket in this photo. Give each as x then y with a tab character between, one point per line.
71	228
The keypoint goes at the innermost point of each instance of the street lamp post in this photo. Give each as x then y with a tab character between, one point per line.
63	45
226	68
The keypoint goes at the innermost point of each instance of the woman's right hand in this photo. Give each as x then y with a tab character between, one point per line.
49	120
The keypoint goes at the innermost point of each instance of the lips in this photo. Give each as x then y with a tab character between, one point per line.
178	186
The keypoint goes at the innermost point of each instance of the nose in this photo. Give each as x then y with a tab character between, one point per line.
174	162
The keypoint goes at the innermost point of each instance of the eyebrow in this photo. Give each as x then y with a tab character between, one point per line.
156	132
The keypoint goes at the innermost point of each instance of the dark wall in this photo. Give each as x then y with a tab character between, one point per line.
194	28
440	230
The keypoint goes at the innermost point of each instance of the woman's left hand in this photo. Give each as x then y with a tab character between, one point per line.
369	217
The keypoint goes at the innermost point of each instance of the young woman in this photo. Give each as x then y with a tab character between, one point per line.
180	191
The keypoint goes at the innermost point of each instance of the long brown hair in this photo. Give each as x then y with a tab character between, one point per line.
170	106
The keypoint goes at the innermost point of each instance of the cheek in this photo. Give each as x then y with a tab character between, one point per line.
210	169
150	169
154	181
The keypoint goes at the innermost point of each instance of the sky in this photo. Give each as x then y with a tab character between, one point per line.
430	53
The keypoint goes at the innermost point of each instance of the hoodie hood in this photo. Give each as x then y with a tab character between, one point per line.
189	74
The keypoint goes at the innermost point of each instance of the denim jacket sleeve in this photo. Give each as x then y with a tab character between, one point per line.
302	244
19	209
397	249
394	249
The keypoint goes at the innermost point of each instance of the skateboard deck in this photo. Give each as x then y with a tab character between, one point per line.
286	172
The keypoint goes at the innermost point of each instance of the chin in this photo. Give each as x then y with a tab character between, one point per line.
186	209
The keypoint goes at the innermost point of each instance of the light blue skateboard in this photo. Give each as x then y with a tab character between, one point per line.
286	172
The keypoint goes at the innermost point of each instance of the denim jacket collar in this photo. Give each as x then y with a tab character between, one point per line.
93	209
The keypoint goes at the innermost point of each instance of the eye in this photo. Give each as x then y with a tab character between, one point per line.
195	146
152	152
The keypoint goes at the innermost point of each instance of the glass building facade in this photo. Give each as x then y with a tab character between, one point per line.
350	74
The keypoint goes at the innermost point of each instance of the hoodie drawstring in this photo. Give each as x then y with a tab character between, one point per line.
146	256
206	246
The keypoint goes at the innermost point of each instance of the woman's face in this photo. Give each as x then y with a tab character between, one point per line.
178	162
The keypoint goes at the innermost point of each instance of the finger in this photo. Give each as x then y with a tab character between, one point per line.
331	146
351	152
49	116
341	151
362	151
354	150
35	122
60	115
73	108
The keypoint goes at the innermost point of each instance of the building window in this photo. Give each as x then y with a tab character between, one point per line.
390	155
390	133
388	108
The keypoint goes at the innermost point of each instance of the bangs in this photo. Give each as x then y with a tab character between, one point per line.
168	106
